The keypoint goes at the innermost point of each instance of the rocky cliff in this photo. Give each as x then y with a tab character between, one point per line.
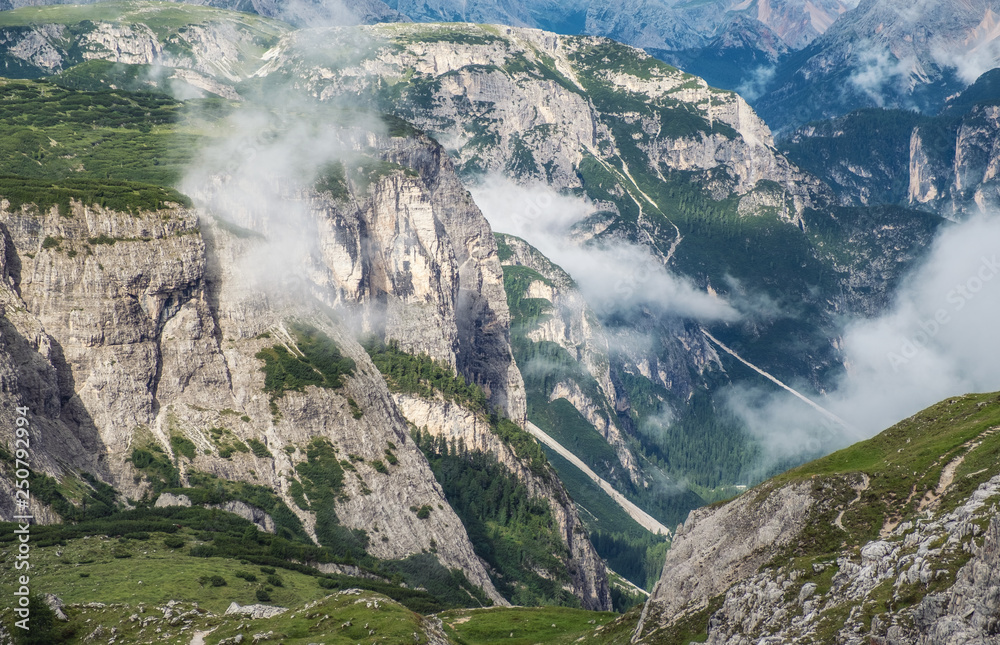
446	420
945	163
884	53
206	50
572	325
547	102
154	342
875	544
142	332
961	177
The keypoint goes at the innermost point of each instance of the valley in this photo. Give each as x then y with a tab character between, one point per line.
331	322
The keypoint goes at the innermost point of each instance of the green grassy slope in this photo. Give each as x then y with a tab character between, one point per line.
48	132
521	626
903	465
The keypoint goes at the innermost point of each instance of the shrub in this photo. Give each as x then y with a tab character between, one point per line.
203	551
321	363
183	446
174	542
275	581
268	570
212	581
423	376
259	449
246	575
263	596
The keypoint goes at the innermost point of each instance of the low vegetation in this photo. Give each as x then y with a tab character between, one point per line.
523	626
514	533
312	359
423	376
124	197
902	465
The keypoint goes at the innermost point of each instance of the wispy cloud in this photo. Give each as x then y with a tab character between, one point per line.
937	340
614	276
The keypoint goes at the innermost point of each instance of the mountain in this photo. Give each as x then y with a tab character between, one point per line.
945	163
893	540
680	176
178	365
656	252
298	12
683	24
885	53
664	25
745	47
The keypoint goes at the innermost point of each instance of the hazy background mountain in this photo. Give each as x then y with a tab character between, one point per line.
886	53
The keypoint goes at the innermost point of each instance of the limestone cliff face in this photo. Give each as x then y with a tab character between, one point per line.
964	175
542	104
714	549
926	180
572	325
411	258
123	331
215	50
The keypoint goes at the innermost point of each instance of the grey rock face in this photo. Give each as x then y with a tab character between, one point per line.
121	344
716	548
445	419
968	179
575	327
255	611
775	604
674	25
210	54
885	53
555	120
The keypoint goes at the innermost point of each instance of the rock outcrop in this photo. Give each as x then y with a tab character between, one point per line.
543	104
964	176
716	548
572	325
124	331
217	48
888	548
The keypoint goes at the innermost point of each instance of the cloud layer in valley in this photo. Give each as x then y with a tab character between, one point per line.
938	339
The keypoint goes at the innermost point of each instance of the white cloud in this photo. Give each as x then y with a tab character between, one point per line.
938	339
878	72
613	276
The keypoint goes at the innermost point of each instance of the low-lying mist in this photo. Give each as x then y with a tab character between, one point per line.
937	339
